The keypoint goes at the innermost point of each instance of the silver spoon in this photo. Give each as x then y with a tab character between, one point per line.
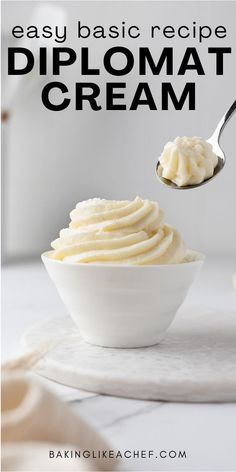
214	140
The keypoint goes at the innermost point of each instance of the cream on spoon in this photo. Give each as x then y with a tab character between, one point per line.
191	162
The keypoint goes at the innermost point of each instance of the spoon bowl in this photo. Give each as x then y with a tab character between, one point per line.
214	140
218	168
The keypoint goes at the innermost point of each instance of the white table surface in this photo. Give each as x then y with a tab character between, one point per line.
206	432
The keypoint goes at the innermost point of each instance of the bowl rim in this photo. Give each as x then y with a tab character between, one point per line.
200	257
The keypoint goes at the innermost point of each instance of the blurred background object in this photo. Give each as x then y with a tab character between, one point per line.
51	160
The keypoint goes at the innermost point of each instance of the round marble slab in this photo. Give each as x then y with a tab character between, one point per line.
195	362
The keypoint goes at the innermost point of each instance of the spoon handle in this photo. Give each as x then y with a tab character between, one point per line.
217	133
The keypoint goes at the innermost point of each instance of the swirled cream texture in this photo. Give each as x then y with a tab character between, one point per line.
187	161
119	232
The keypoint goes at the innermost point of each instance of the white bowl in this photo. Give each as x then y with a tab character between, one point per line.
122	306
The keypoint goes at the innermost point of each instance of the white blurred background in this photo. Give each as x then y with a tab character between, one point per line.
51	160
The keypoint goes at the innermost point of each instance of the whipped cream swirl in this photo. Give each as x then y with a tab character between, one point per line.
119	232
187	161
